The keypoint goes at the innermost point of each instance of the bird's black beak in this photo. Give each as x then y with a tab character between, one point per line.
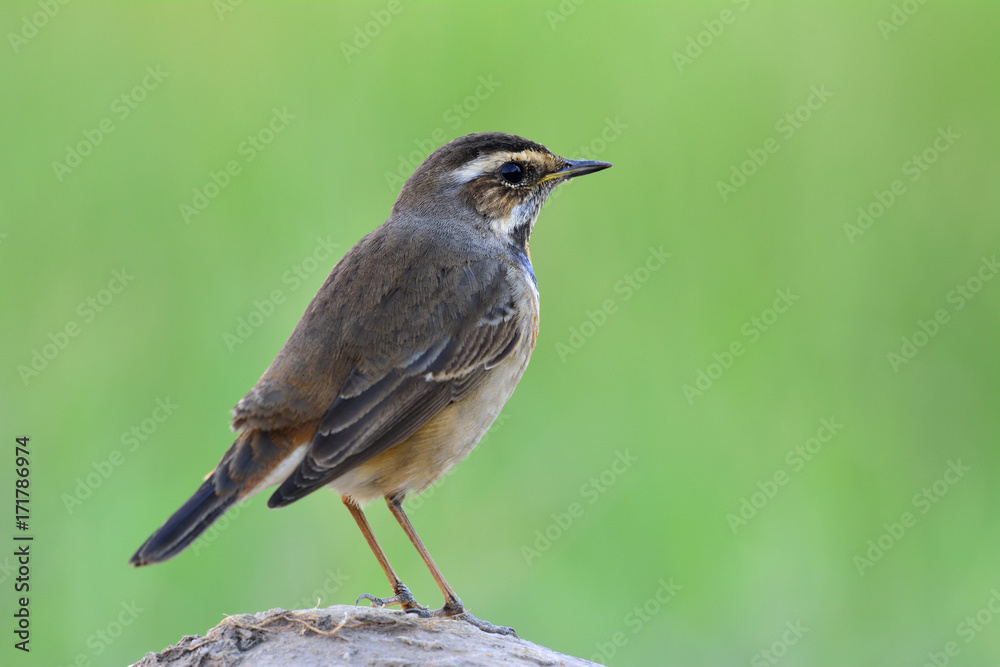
573	168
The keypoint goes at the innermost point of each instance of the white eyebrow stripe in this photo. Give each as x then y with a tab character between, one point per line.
487	163
476	168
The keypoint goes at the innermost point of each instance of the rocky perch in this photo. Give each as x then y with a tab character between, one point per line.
344	635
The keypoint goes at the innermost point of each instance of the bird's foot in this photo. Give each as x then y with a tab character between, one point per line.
454	609
485	626
403	597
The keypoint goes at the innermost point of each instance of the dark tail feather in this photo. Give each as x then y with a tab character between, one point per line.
187	523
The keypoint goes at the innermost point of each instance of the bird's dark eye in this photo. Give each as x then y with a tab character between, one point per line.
512	172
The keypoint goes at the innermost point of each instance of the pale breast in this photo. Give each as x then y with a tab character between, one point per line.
449	436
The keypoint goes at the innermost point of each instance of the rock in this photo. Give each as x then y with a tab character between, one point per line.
344	635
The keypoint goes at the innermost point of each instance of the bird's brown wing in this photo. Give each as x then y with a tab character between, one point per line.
428	341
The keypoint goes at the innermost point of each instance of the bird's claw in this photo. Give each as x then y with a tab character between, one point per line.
456	610
377	602
485	626
403	597
422	612
453	609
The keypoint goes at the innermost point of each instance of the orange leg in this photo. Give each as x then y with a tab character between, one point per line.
402	596
452	604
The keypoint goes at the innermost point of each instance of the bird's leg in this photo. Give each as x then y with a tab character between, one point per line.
402	596
453	607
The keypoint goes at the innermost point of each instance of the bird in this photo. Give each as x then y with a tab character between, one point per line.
402	360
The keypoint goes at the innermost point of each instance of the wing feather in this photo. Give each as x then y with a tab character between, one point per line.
387	398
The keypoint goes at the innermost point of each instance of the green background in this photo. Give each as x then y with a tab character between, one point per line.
598	80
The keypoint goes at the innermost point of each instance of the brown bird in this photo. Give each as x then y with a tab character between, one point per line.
403	358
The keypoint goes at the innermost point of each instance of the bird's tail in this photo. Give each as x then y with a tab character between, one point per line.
256	460
186	524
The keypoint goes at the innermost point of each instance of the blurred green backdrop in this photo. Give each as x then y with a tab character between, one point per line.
761	422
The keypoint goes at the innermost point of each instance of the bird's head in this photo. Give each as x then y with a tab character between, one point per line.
497	181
